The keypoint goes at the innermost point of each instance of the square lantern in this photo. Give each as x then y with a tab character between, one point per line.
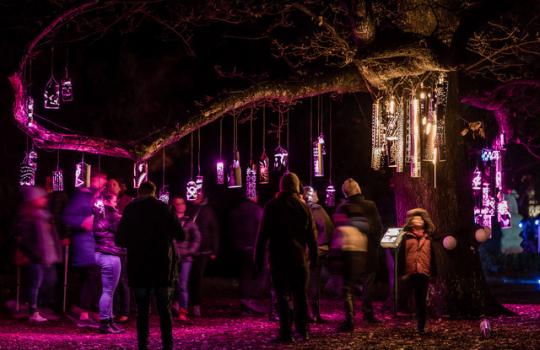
235	172
503	216
66	90
251	182
140	173
220	173
29	111
27	176
191	190
199	180
82	175
58	180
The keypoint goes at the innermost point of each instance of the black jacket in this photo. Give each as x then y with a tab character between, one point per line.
288	227
147	230
105	227
205	218
356	208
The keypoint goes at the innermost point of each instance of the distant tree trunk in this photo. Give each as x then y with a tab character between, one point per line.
451	208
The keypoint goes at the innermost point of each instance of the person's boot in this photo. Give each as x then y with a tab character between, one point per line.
105	327
317	312
348	324
116	327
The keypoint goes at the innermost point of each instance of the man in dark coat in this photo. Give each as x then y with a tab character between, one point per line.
288	228
363	215
147	230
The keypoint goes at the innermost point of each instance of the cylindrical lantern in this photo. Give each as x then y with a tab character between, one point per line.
164	194
330	196
82	175
503	215
449	242
220	173
140	173
235	172
251	182
376	136
66	88
29	111
199	180
318	159
281	159
264	171
191	190
414	139
58	180
28	169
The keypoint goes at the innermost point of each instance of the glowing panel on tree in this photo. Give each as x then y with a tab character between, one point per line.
58	180
264	171
318	158
28	169
140	173
164	194
51	95
82	175
220	173
281	159
330	200
477	179
235	172
191	191
251	182
503	215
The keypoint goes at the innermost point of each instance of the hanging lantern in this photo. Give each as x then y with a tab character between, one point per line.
441	98
498	173
235	172
28	169
66	88
429	128
191	190
477	179
503	215
140	173
318	153
82	175
264	171
414	138
51	95
330	196
281	159
376	136
251	182
29	111
309	194
220	173
58	180
99	206
199	180
164	194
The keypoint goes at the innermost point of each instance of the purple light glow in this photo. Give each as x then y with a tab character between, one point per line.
58	180
318	158
220	173
191	190
264	172
251	182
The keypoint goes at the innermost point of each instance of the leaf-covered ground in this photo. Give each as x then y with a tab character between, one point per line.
225	328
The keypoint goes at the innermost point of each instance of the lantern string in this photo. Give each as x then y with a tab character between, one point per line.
310	140
199	152
220	137
287	128
330	140
191	155
251	136
163	167
57	159
280	123
99	170
264	130
29	84
52	61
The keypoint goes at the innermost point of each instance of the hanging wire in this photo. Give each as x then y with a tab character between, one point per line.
58	159
330	141
235	133
220	137
191	155
52	61
311	140
287	128
199	152
163	168
280	123
264	130
319	107
251	136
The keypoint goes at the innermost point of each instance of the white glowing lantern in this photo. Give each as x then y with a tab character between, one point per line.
191	190
503	215
377	136
82	175
264	171
51	95
414	139
99	206
318	159
58	180
164	194
66	88
330	196
449	242
140	173
281	159
235	172
199	181
28	169
309	194
220	172
29	111
477	179
251	182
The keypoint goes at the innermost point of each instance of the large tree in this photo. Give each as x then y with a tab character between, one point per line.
322	47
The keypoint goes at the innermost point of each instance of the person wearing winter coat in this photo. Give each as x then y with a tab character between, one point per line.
416	259
106	219
39	242
147	230
358	233
185	250
325	228
289	230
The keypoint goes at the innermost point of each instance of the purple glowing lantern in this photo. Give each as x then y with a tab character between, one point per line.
235	172
58	180
140	173
477	179
281	159
28	169
82	174
264	171
330	196
191	190
251	182
51	94
29	111
503	215
164	194
66	88
318	152
199	181
220	173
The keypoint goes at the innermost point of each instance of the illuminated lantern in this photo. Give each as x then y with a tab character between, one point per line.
66	88
281	159
140	173
220	173
251	182
482	234
377	134
318	159
477	179
99	206
449	242
235	172
82	175
264	171
164	194
51	95
58	180
414	139
503	215
199	180
28	169
330	196
191	190
309	193
29	111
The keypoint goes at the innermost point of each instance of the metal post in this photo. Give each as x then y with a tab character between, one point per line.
18	289
395	280
66	260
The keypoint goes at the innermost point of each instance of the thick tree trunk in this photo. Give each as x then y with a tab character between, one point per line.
451	208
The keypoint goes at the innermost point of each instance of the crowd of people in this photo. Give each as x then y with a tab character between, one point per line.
142	247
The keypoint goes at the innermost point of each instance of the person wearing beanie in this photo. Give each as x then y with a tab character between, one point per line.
325	227
358	233
290	232
39	242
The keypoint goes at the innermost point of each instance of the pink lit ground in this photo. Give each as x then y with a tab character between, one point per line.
224	328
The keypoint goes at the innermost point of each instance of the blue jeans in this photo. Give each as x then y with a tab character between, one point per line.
110	266
184	268
40	275
163	303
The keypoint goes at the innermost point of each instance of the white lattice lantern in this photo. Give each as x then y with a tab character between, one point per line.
235	172
28	169
82	175
191	191
58	180
281	159
251	182
51	95
140	173
164	194
318	157
220	173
